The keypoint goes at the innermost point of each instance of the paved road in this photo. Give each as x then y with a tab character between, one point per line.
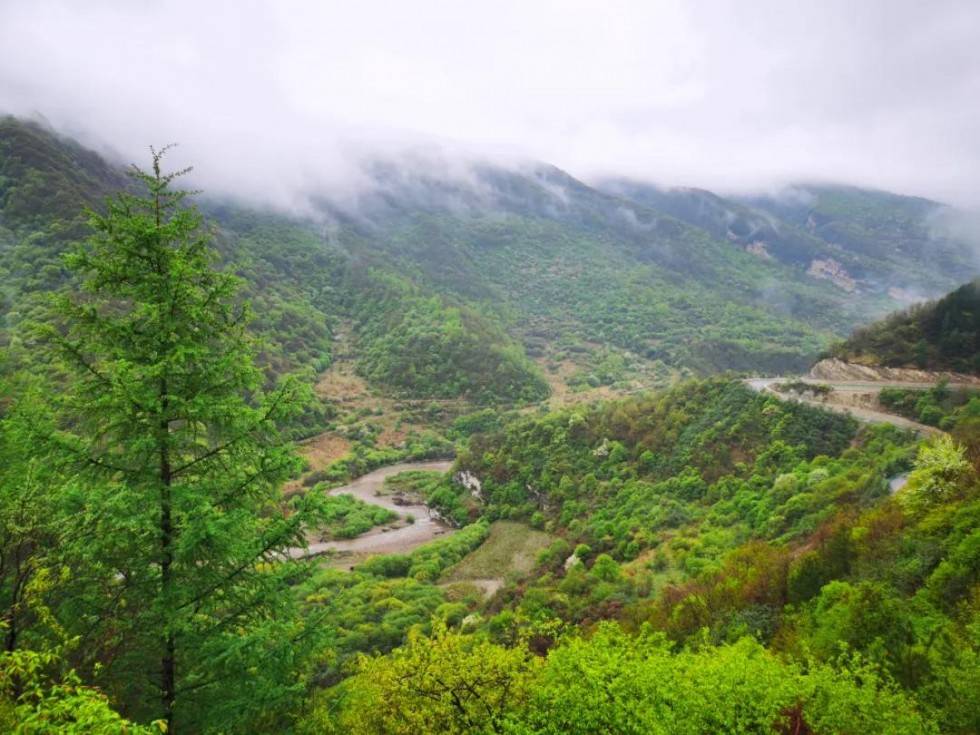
861	413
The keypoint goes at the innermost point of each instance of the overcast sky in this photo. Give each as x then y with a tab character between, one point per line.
271	98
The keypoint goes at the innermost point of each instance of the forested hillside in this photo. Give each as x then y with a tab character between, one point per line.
697	558
856	238
938	335
699	534
487	270
297	282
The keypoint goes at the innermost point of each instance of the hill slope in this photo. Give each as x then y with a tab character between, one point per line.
456	284
861	240
710	514
938	335
299	283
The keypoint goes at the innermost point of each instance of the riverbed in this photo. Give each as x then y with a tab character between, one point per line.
385	539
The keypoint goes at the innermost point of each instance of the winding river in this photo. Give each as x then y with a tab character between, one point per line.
382	540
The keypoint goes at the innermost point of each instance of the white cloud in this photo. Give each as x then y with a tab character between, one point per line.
270	99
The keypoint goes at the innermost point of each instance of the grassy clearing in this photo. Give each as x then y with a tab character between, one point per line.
412	484
511	548
349	517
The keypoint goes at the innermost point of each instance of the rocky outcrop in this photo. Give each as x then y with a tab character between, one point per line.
837	370
471	482
832	271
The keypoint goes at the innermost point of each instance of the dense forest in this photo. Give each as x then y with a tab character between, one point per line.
698	558
939	406
938	335
298	286
721	561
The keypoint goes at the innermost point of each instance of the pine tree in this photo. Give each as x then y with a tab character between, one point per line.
31	521
189	616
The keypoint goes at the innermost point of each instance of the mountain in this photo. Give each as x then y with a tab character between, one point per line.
45	183
864	241
488	283
700	557
941	335
300	285
561	262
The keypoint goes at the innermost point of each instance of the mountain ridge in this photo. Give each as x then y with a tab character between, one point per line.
939	335
545	262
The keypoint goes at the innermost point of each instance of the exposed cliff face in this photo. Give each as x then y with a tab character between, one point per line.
837	370
832	271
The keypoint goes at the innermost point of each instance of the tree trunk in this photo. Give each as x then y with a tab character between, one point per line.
168	680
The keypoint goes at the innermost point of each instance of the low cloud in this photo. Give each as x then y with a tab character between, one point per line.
277	101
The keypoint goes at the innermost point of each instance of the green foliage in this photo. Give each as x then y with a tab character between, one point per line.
938	406
612	682
941	470
939	335
602	287
872	235
43	183
411	483
866	616
419	344
429	561
176	466
32	702
367	611
35	520
47	183
454	503
714	514
344	516
481	421
468	685
621	474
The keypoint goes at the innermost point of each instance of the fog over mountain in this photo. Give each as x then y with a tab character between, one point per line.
273	101
522	367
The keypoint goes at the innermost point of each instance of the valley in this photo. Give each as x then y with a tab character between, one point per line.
489	368
471	451
416	523
858	399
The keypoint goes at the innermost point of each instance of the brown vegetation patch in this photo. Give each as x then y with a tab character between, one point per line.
561	393
321	450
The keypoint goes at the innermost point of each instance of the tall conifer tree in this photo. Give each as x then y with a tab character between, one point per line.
176	445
